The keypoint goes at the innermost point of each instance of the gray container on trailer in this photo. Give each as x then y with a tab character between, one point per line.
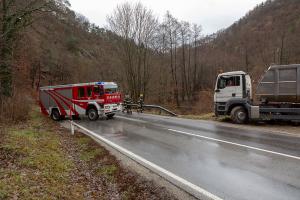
280	83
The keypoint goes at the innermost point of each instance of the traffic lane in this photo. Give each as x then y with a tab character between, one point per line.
267	145
260	139
227	171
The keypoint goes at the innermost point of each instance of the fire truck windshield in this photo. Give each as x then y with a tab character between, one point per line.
110	90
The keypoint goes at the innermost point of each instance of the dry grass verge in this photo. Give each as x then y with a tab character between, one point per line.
33	164
40	160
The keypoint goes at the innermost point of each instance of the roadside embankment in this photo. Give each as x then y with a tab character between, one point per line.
41	160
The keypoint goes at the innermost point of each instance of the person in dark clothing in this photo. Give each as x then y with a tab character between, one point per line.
126	104
141	103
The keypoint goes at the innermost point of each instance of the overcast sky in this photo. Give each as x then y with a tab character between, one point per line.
213	15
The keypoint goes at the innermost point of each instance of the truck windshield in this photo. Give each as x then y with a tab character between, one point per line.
228	81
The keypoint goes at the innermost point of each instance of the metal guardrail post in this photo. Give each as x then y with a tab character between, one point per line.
72	128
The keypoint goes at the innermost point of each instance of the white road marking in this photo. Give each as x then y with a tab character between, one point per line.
222	124
236	144
152	166
222	141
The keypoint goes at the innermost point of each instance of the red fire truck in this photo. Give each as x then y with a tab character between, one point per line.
91	99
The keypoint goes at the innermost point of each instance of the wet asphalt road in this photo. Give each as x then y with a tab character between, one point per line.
230	163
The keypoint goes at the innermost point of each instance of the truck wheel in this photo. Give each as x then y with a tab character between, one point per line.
92	114
55	115
110	116
239	115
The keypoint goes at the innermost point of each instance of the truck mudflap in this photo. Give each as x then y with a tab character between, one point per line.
254	112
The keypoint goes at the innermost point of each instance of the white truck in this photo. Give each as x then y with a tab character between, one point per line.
278	94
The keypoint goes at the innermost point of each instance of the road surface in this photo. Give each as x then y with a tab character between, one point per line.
231	163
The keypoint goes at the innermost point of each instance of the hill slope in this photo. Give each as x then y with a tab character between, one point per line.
268	34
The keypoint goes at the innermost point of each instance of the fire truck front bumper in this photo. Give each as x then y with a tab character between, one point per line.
112	108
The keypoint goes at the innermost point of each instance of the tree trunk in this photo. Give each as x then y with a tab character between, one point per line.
5	55
282	49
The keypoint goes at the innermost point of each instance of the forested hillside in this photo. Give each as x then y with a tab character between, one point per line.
267	35
63	47
46	43
168	61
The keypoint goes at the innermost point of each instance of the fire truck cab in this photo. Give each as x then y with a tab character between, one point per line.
91	99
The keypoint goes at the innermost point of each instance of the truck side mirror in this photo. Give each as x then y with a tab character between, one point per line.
217	90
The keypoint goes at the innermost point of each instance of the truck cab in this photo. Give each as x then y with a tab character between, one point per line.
278	92
233	94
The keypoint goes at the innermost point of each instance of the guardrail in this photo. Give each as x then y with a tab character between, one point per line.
183	184
161	108
152	106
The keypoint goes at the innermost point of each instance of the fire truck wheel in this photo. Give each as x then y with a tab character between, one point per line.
92	114
55	115
110	116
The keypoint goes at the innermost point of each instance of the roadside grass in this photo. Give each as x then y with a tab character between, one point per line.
90	151
128	194
108	171
41	160
33	165
90	154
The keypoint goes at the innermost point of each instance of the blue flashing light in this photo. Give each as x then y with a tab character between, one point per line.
100	83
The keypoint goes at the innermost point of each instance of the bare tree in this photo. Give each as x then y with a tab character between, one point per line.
196	33
171	28
184	37
137	26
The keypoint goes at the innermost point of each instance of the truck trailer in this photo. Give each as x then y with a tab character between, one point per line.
277	95
74	100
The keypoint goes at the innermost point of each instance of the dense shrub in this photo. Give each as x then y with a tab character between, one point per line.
16	108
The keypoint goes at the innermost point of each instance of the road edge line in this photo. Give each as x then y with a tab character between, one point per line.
185	185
